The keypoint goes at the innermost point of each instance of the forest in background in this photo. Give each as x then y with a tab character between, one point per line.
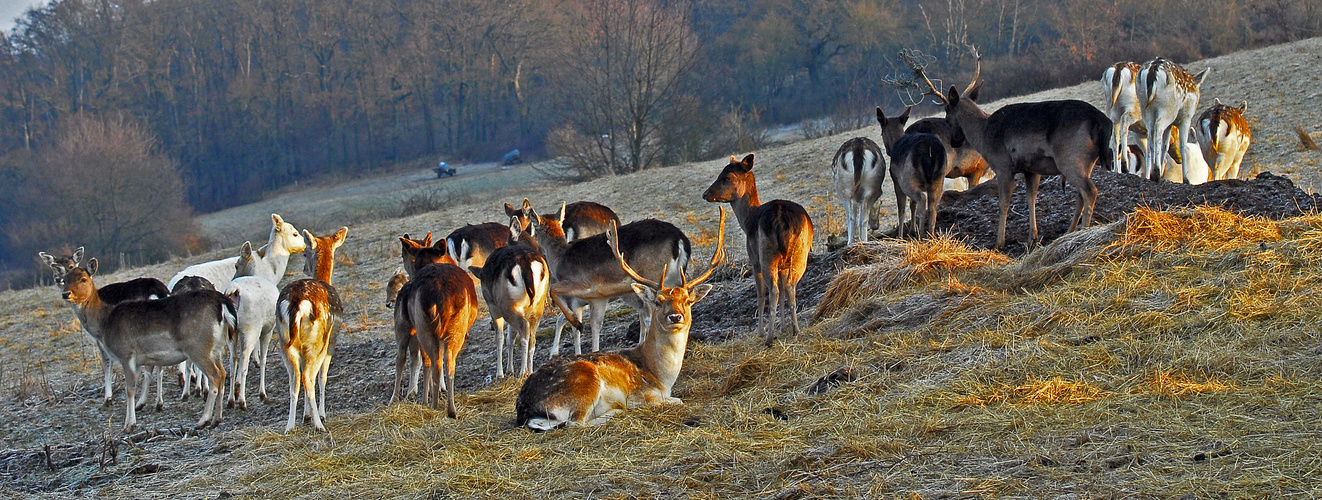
225	100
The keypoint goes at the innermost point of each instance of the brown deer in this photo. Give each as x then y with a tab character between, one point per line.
589	389
1065	138
310	315
193	326
416	254
921	160
1224	136
779	236
579	219
969	164
857	173
470	245
393	286
583	270
515	281
440	305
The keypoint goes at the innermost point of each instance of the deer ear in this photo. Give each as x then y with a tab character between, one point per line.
515	228
344	231
700	292
312	240
1243	106
426	242
47	258
277	221
645	293
1198	78
881	117
748	162
973	93
510	211
564	207
78	254
952	96
904	117
246	251
92	266
527	205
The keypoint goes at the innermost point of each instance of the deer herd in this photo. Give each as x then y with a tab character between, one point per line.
582	256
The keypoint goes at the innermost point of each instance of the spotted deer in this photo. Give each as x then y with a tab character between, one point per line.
310	314
857	173
283	242
584	271
440	305
255	296
589	389
193	326
1123	109
1223	137
581	219
1065	138
778	238
1169	97
515	281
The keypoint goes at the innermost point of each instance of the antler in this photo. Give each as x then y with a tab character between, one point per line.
977	72
916	61
716	258
613	237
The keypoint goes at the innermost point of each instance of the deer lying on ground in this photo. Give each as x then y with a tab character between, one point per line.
255	295
310	315
436	308
1169	96
283	242
583	269
114	293
857	173
1123	109
579	219
1223	138
919	164
1065	138
470	245
515	281
192	326
779	236
588	389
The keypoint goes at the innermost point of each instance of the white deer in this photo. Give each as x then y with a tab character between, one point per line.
254	294
283	242
1169	96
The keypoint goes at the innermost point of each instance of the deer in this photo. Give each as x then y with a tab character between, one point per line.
515	281
581	219
589	389
416	254
857	173
192	326
1065	138
187	374
438	306
393	286
310	314
1169	97
583	270
419	253
1223	138
778	238
283	242
919	164
1123	108
470	245
255	296
969	165
114	293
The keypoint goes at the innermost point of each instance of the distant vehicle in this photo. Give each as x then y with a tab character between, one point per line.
510	158
443	170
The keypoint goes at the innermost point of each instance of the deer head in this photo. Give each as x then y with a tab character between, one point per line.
733	182
321	260
61	265
670	307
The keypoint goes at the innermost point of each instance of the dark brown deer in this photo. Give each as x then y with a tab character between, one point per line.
193	326
1065	138
779	237
310	315
470	245
589	389
440	305
515	281
919	164
579	219
969	164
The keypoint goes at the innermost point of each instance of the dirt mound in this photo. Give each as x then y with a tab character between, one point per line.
972	214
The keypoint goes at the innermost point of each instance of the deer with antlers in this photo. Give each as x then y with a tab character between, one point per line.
1169	96
778	237
968	163
310	313
1065	138
1223	137
589	389
1123	108
857	173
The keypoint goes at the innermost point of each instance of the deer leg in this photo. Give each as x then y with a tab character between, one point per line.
1004	190
899	207
130	388
415	354
498	324
448	355
187	379
401	358
760	279
519	326
849	221
1233	171
598	319
1031	182
309	376
109	370
160	388
215	373
292	365
933	202
791	301
144	388
261	359
773	305
324	372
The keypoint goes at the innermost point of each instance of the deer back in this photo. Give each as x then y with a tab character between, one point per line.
471	244
586	218
649	245
920	160
784	234
168	330
1219	122
512	274
858	159
1020	136
441	301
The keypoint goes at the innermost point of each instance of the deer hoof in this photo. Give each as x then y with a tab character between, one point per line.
243	405
229	404
160	407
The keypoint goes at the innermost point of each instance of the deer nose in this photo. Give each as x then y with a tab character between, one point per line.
66	295
675	318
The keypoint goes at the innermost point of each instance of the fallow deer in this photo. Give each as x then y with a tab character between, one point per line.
1223	137
188	375
1169	97
779	237
192	326
1065	138
283	242
969	164
857	173
415	254
589	389
310	315
470	245
515	281
418	253
255	298
114	293
581	218
395	283
919	164
583	269
1123	109
440	305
